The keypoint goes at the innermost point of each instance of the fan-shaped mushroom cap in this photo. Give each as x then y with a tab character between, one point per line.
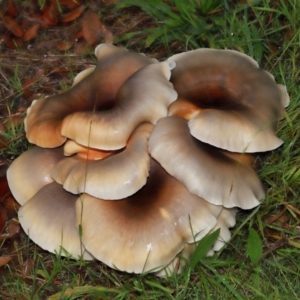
31	171
49	220
206	171
94	91
144	97
145	231
116	177
240	104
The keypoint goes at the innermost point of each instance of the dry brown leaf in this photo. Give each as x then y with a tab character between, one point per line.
31	32
4	260
39	73
74	14
63	46
108	37
4	164
3	218
3	142
11	9
13	26
2	128
14	120
79	34
92	27
27	87
13	227
4	189
51	14
12	42
39	20
81	47
10	203
276	217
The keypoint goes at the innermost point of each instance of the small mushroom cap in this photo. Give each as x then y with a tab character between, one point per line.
225	220
80	76
206	171
285	98
92	91
49	220
116	177
144	97
31	171
147	230
240	104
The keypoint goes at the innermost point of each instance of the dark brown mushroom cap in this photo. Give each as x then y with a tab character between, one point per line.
49	220
31	171
115	177
145	231
144	97
219	177
239	104
94	91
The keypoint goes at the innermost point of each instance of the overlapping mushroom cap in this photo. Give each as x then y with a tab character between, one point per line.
221	178
229	101
93	91
127	174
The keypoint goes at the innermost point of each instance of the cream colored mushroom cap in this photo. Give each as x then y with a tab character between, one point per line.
49	220
144	97
239	104
115	177
94	89
31	171
206	171
80	76
146	231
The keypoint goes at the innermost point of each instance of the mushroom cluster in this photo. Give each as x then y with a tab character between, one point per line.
141	159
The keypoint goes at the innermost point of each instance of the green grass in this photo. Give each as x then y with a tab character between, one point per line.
262	259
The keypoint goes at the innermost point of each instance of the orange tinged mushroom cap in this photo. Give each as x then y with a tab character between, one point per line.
144	97
94	90
115	177
239	104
